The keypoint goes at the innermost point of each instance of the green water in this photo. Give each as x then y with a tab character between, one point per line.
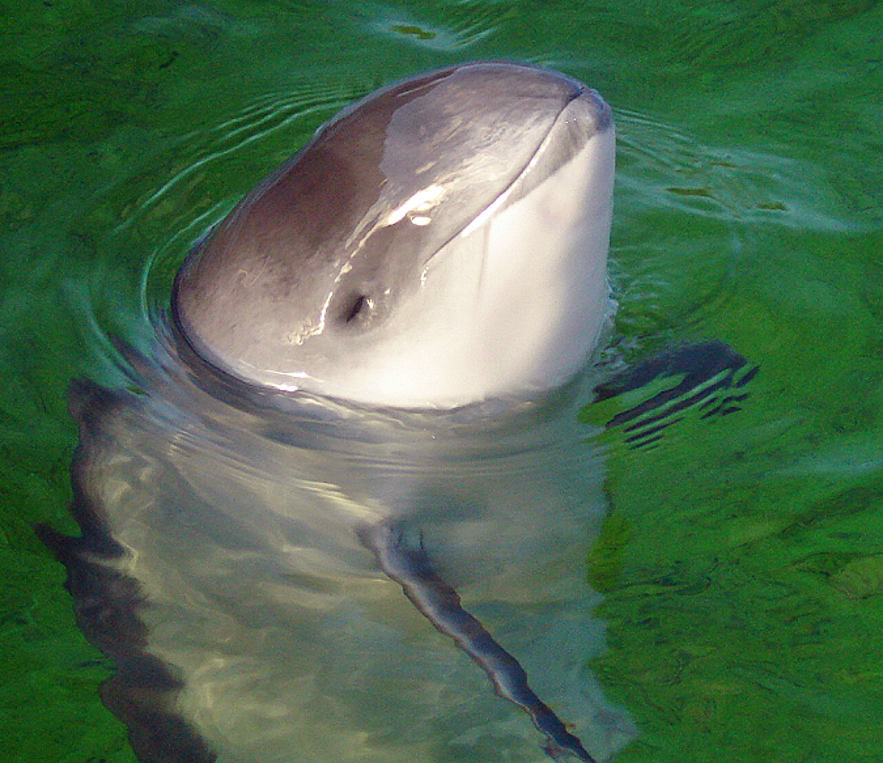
742	561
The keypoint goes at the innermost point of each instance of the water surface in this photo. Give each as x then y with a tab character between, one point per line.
740	559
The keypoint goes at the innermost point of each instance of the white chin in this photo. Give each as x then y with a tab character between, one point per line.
514	306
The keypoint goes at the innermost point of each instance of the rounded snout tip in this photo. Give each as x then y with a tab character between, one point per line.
537	83
593	108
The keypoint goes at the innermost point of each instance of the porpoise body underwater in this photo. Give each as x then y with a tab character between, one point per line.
347	486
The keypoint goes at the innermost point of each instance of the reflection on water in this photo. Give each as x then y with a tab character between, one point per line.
220	565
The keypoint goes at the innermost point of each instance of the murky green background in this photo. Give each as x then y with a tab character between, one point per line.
742	561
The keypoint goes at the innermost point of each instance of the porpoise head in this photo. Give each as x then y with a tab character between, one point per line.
440	242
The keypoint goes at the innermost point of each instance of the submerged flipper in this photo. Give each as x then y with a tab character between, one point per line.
440	604
710	377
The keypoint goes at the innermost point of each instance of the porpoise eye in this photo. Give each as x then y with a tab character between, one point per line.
356	305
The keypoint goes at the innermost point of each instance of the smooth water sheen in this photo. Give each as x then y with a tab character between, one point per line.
739	562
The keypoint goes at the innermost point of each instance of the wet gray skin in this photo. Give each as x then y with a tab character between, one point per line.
380	264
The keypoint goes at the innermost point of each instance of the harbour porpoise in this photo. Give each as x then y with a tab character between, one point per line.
346	486
440	242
